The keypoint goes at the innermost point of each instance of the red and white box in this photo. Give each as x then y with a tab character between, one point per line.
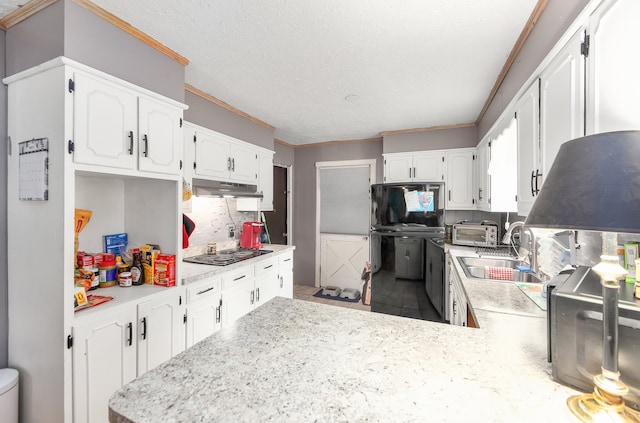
164	270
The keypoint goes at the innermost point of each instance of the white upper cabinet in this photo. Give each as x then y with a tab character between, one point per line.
482	180
561	102
115	126
160	136
265	185
459	180
527	115
223	158
613	85
422	166
105	124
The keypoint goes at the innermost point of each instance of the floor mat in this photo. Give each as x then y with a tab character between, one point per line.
319	294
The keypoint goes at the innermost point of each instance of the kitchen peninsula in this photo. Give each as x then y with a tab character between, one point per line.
292	360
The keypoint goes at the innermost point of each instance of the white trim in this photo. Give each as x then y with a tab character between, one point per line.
335	164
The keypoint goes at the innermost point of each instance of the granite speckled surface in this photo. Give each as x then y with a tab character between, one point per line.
298	361
192	272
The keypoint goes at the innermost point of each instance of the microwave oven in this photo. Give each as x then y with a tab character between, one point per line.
574	332
481	234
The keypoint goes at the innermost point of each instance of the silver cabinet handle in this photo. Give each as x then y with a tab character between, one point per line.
257	294
281	281
252	297
146	145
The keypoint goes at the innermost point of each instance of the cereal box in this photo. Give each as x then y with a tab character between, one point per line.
164	270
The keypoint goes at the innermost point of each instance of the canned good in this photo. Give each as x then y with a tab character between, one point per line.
212	248
125	279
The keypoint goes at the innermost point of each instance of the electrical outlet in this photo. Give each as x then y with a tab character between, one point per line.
232	231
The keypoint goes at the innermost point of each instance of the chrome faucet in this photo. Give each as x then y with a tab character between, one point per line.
531	248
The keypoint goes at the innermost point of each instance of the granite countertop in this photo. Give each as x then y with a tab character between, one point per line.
192	272
293	360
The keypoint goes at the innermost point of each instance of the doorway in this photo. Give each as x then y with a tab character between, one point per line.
343	214
278	220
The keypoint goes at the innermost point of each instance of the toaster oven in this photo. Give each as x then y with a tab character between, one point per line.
480	234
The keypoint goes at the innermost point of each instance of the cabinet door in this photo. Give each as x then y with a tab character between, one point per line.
203	319
561	102
482	184
429	166
285	270
213	155
244	163
237	300
104	360
160	136
614	68
267	286
105	123
460	180
398	168
528	147
265	185
160	331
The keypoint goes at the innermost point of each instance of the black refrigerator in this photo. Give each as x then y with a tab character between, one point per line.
403	218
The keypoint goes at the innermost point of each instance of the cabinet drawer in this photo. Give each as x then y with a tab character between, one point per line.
231	278
265	266
203	290
286	258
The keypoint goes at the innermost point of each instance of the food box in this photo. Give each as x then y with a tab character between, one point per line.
149	254
114	243
164	270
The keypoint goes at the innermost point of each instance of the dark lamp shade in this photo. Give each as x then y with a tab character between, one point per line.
593	184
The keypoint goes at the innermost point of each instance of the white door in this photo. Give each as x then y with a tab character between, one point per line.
105	123
614	66
561	101
237	300
160	331
285	273
528	147
343	259
160	137
343	220
213	155
429	166
244	164
203	319
104	360
398	168
460	180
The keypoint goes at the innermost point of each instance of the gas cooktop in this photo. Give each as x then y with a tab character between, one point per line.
226	257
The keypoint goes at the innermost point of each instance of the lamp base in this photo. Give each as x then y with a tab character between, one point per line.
601	406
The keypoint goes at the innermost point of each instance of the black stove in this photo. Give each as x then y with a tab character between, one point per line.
226	257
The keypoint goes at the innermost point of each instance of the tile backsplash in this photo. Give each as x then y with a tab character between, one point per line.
213	217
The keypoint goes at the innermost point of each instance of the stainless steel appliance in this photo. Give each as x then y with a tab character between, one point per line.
403	218
575	332
476	234
226	257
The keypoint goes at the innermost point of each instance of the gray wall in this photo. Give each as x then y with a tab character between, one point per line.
4	318
284	154
67	29
304	197
556	18
205	113
430	140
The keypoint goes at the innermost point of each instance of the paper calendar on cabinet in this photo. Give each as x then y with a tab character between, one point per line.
34	169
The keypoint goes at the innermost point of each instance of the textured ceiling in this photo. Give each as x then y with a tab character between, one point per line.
335	69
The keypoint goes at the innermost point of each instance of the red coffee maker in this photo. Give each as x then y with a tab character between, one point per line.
250	236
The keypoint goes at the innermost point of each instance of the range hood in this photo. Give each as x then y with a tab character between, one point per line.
207	188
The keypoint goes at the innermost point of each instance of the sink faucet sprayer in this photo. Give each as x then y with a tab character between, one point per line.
532	248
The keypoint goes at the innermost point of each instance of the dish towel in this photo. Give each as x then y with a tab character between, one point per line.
500	273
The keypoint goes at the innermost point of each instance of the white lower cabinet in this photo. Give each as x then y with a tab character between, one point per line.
238	298
104	360
203	313
285	274
457	297
116	347
160	330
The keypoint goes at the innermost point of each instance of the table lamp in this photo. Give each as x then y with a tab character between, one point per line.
594	185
